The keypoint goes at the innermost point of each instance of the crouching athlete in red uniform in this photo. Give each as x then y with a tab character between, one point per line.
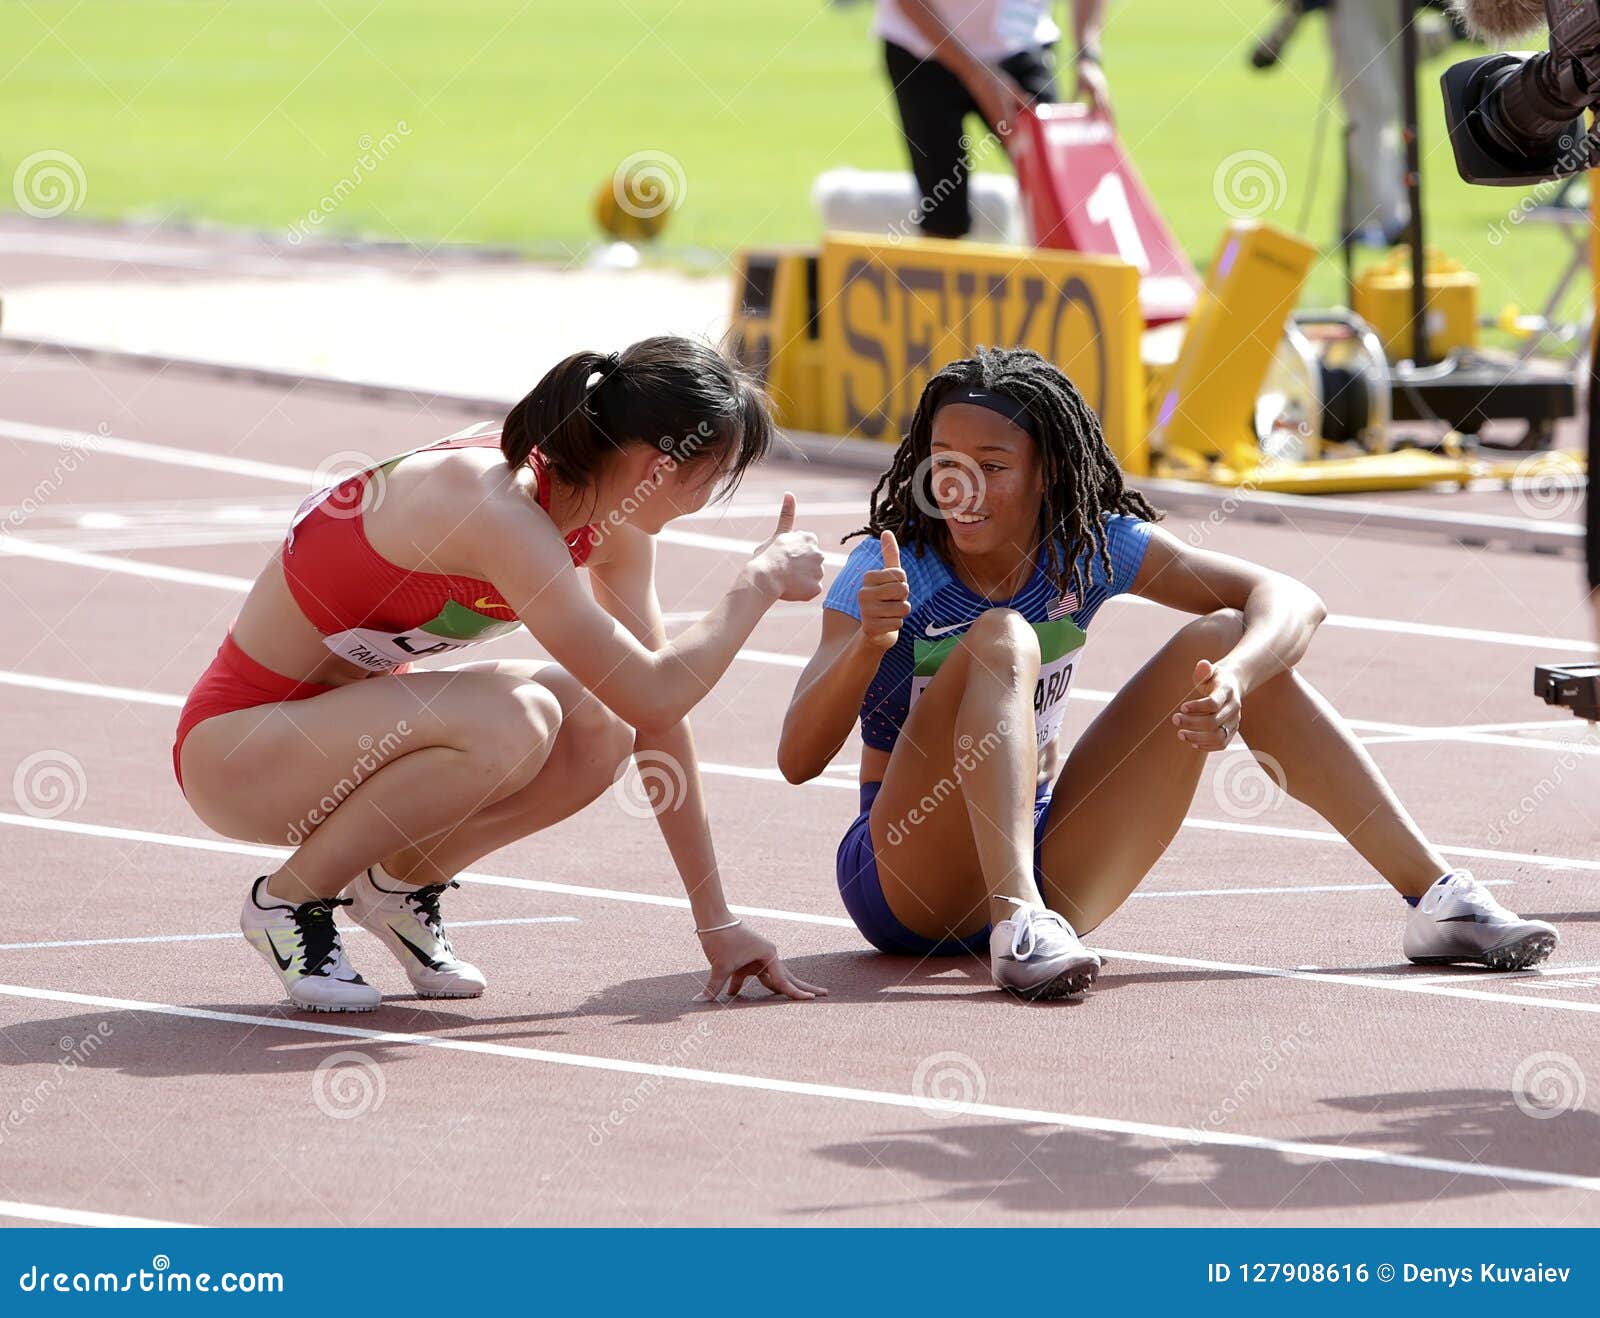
310	726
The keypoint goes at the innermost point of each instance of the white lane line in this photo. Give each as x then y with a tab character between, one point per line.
760	912
1402	732
1307	887
167	454
224	847
1526	725
1322	835
1428	985
1394	627
768	775
346	929
306	478
840	1093
1405	732
773	657
63	686
757	511
80	1216
18	547
1539	972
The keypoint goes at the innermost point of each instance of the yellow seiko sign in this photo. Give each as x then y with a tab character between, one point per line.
892	313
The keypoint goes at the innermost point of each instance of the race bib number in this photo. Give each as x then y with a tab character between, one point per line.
453	628
1060	648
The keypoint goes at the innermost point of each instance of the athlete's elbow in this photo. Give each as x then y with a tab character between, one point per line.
797	763
657	721
1316	609
796	770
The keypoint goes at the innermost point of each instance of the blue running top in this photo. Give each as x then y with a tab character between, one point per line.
942	608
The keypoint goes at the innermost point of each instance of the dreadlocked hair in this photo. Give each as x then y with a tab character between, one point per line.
1082	482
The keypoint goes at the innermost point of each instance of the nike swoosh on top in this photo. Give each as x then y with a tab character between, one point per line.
272	943
416	951
489	604
930	631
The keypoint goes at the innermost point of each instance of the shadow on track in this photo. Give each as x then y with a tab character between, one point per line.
1044	1169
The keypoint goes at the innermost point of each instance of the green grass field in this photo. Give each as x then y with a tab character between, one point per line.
250	112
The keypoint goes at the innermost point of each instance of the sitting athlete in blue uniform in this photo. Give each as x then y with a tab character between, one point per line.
953	633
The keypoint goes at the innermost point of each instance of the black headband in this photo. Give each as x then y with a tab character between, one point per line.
1001	404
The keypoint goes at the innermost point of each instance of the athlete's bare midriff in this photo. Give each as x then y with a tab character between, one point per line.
272	631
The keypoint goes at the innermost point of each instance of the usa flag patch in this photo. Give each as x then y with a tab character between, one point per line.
1067	604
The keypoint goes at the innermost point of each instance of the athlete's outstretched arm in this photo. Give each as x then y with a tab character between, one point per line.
1281	615
649	690
827	698
622	573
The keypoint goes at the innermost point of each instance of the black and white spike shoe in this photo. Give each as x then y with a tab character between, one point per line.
406	920
302	944
1458	919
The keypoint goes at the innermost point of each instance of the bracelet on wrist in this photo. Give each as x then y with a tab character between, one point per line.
718	928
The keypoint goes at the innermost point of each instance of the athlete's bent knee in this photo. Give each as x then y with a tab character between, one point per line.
513	732
1003	635
600	738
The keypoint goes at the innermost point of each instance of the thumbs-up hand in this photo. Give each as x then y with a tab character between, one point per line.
788	566
884	598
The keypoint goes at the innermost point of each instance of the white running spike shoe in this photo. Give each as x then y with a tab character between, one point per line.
302	945
1036	954
407	921
1458	919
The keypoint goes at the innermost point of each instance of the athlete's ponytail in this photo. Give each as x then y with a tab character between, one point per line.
681	396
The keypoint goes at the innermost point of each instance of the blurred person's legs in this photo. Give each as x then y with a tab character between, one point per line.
1364	37
934	106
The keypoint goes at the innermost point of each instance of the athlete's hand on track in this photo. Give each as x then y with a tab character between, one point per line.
1209	721
884	598
789	564
739	954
